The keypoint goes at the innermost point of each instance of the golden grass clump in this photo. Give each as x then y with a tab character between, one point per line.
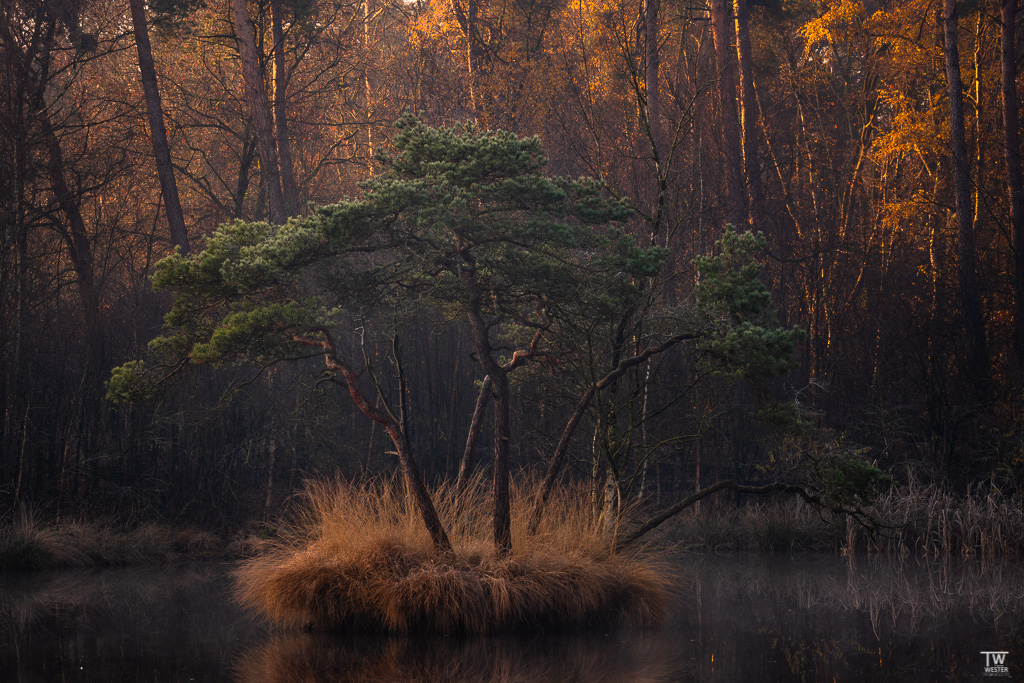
359	558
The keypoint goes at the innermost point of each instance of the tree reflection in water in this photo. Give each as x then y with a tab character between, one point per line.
821	618
554	658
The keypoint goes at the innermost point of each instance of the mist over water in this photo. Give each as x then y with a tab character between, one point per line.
734	618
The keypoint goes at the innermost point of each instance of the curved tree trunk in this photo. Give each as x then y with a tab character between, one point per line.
75	236
406	459
157	131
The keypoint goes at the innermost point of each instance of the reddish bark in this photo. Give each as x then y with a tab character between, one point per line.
157	131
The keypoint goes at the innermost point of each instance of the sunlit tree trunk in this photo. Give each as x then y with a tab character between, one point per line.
738	209
157	131
467	13
749	111
367	83
974	326
1014	180
255	95
651	65
289	188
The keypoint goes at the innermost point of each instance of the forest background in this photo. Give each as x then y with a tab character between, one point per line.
875	144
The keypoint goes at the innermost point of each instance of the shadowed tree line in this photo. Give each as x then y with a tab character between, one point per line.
876	146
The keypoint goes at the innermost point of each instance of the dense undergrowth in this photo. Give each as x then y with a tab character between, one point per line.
359	558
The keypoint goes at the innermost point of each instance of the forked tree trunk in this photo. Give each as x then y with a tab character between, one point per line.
256	96
974	326
558	458
75	235
1014	179
499	377
157	131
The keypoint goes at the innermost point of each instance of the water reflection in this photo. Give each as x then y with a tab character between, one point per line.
735	618
559	658
128	624
813	618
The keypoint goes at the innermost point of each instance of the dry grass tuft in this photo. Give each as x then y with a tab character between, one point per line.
359	558
27	544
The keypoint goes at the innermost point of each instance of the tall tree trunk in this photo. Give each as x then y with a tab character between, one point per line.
974	326
284	147
244	164
749	111
738	210
652	65
256	96
499	377
83	419
73	231
502	433
467	14
368	84
1014	180
157	131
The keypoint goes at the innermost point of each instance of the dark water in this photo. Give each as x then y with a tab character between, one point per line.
736	618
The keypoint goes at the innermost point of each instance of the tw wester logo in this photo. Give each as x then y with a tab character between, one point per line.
995	663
